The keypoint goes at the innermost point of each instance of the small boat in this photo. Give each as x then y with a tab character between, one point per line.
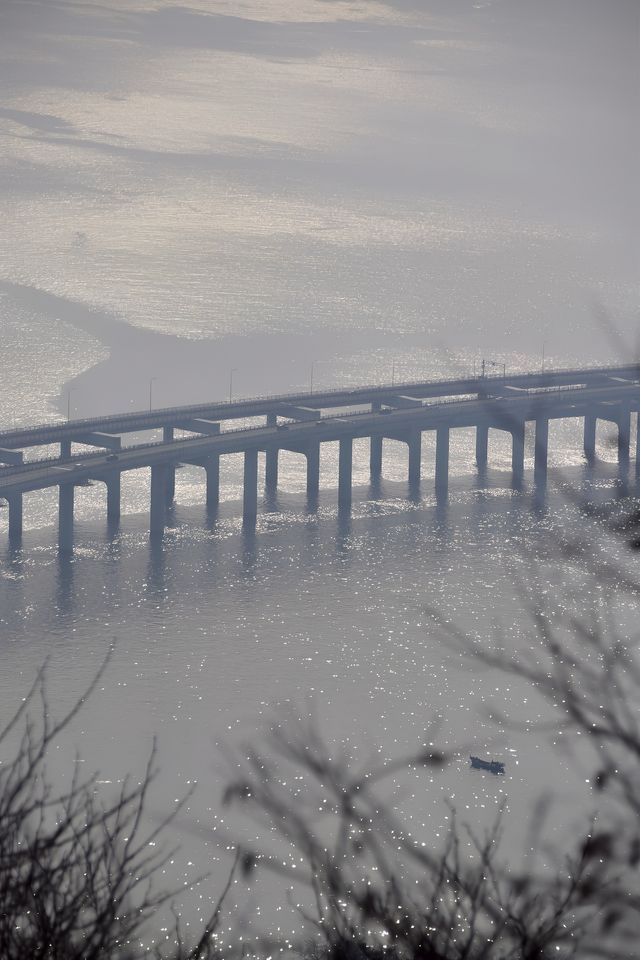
493	766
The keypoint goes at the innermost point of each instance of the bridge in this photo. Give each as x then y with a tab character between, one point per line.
201	434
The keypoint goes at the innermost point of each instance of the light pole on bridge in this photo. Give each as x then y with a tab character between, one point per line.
493	363
231	373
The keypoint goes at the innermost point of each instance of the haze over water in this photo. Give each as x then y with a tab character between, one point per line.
374	189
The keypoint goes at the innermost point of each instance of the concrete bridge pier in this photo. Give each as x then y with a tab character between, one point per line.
65	449
271	460
541	448
212	473
158	510
442	462
590	422
375	459
414	443
375	450
345	473
624	437
482	447
113	496
250	492
65	517
170	485
312	454
517	455
14	501
271	470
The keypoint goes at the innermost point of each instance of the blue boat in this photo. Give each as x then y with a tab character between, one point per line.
493	766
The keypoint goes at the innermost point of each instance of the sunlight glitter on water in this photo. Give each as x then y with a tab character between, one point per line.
215	629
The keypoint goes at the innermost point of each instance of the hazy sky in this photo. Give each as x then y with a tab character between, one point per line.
455	168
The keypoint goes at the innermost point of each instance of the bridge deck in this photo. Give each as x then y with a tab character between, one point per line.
503	409
42	434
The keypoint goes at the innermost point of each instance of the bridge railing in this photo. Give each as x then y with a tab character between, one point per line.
157	415
28	466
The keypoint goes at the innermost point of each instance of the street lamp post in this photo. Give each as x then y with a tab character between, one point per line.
231	373
494	363
151	382
311	380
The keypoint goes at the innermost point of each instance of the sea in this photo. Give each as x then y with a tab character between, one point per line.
255	198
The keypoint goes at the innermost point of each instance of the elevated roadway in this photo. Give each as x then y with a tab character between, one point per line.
302	424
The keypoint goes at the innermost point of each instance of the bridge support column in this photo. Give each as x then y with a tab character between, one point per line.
250	492
271	460
313	470
482	446
541	452
15	516
345	471
158	507
113	496
375	450
415	458
170	486
442	461
212	472
65	449
590	422
65	517
375	459
271	470
624	437
517	455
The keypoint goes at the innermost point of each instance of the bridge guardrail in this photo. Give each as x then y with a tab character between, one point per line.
96	422
28	466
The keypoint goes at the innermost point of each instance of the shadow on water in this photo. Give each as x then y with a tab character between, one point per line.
481	480
14	556
112	534
540	500
344	530
211	517
249	552
157	579
414	493
65	594
14	582
108	571
374	490
270	502
623	482
441	517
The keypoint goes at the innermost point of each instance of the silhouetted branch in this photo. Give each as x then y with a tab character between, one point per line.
77	875
375	890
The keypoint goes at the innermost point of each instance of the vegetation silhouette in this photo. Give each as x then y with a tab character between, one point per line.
78	877
377	891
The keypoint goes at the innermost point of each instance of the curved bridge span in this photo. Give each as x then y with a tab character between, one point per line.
302	423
